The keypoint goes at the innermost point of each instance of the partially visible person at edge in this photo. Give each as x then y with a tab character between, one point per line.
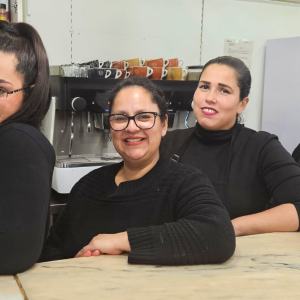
26	156
256	178
160	211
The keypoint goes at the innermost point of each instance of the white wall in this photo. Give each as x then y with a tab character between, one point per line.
52	19
119	29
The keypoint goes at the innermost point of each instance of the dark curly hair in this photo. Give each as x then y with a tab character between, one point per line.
157	96
243	75
24	42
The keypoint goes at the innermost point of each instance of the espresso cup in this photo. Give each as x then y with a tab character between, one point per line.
158	73
105	64
115	73
142	71
159	62
175	62
135	62
130	70
99	73
92	64
125	74
120	64
176	73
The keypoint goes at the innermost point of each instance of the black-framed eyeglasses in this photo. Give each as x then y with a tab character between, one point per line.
143	120
4	94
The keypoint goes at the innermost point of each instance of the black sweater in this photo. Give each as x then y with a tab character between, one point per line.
172	216
247	168
26	165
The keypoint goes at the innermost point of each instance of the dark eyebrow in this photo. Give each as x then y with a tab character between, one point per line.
4	81
224	85
220	84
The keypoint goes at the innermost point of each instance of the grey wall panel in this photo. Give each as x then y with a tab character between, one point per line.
281	96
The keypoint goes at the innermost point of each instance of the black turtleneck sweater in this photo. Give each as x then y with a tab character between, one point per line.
172	215
247	168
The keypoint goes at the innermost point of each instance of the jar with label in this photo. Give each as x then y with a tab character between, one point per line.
2	12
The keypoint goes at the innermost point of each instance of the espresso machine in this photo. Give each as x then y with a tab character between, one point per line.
76	126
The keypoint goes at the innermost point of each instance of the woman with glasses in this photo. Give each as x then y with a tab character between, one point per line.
26	156
159	211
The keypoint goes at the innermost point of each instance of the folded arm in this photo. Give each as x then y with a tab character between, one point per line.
281	175
202	233
283	218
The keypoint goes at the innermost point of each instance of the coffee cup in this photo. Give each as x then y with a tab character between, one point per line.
142	71
130	70
158	73
92	64
176	73
125	74
120	64
105	64
115	73
159	62
175	62
135	62
99	73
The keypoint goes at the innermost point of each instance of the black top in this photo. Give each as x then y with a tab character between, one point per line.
247	168
172	216
296	154
26	165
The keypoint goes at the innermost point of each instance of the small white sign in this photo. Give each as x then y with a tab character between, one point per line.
239	48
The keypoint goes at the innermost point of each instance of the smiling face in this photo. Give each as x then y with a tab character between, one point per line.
10	80
135	144
217	98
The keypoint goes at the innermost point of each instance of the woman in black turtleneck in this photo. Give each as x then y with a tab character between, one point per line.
255	177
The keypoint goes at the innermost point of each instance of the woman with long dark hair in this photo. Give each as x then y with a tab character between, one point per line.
26	156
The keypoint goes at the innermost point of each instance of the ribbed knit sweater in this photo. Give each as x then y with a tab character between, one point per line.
172	215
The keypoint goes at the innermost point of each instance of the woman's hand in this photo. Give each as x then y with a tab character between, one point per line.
106	243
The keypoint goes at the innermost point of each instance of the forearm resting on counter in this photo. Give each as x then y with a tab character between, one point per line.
283	218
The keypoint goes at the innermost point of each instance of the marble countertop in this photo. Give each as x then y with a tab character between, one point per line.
264	266
9	289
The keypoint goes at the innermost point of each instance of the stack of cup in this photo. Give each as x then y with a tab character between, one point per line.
122	66
158	66
136	67
176	71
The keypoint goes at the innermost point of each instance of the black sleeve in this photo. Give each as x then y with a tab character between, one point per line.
25	185
53	248
296	154
202	234
280	173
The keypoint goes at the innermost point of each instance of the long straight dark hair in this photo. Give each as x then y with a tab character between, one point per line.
23	41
